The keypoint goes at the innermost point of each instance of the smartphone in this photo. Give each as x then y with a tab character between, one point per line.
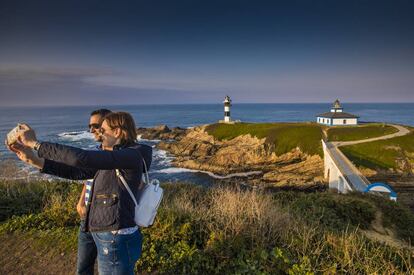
13	134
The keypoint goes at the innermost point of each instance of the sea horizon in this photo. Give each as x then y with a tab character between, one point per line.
200	103
68	125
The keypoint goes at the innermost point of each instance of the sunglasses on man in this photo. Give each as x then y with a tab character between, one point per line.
94	126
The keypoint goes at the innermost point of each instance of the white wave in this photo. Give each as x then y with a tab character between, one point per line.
174	170
243	174
160	153
75	136
162	158
139	137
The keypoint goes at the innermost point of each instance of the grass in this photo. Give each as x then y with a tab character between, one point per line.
382	154
350	133
226	230
18	197
283	136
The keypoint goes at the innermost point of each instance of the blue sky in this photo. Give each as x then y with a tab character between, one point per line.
148	52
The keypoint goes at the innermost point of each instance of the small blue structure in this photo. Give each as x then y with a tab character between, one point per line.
383	188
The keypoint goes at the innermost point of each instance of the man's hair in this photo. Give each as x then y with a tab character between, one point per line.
101	112
126	123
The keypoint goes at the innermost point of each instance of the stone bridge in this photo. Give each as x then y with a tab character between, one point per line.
339	170
341	174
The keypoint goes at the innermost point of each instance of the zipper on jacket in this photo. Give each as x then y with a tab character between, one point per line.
106	196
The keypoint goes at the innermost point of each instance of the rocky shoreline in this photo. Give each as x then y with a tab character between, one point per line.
244	155
162	132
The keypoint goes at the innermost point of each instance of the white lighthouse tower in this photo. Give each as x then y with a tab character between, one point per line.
227	104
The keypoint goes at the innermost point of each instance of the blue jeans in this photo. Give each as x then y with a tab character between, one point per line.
86	251
117	254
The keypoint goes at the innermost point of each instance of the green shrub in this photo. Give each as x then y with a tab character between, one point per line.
336	212
59	211
397	217
20	197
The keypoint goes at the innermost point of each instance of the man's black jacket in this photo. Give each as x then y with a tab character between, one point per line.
111	206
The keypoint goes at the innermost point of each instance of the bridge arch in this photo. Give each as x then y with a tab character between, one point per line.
382	188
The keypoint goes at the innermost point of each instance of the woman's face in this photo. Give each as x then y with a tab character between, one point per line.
110	137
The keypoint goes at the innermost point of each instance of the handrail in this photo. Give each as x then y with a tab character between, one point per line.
330	146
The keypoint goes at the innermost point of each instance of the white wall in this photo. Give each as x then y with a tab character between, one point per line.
349	121
327	121
333	174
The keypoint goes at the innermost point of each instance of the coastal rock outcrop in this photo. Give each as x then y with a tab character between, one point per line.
200	151
307	171
161	132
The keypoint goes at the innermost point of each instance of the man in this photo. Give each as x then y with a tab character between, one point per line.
86	246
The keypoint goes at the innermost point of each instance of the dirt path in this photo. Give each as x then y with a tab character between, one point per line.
19	254
402	131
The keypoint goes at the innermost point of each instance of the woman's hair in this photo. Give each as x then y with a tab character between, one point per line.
125	122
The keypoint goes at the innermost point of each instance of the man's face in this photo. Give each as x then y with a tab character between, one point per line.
95	122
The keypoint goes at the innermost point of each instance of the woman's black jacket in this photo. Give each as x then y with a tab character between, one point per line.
111	206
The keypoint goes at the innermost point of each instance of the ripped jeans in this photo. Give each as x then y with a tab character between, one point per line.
117	253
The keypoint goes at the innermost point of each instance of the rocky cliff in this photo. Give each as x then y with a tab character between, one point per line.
161	132
196	149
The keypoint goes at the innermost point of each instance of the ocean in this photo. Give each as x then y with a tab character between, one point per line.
68	125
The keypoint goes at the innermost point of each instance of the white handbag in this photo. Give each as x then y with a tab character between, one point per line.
149	201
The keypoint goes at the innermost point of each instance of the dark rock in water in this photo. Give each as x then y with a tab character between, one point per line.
161	132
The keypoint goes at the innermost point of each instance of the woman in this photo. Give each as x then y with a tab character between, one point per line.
110	215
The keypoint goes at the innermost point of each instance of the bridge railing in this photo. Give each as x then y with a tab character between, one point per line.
327	146
364	179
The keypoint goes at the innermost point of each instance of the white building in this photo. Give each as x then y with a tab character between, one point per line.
337	116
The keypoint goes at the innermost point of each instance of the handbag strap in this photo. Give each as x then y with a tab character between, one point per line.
119	175
146	171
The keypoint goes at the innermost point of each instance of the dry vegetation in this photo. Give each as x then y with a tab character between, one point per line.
228	230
